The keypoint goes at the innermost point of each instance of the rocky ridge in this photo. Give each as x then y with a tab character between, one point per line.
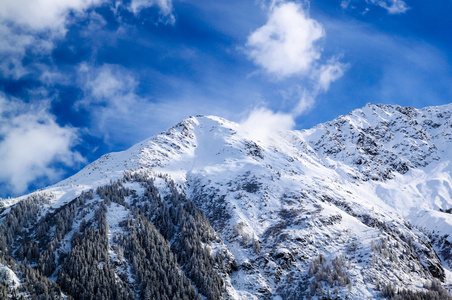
354	208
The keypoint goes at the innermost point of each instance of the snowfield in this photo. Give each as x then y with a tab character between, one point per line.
343	209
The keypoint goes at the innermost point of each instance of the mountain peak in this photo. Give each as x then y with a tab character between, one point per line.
345	209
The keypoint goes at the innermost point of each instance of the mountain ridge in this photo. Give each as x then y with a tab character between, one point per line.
346	208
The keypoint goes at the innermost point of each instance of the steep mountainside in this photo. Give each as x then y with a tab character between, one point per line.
356	208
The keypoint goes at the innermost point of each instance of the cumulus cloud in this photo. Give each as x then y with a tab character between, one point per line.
288	43
392	6
31	142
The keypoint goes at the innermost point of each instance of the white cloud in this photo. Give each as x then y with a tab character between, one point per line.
30	142
110	95
106	82
392	6
345	4
12	51
33	26
109	86
288	43
165	6
42	14
263	124
305	103
328	73
122	116
14	44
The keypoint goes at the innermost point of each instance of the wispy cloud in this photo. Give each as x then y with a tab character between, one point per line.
36	25
42	14
421	77
118	114
121	115
392	6
327	74
12	51
398	69
53	15
345	4
165	6
31	143
31	27
109	95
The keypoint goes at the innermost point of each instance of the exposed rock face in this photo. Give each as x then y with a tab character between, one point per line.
354	208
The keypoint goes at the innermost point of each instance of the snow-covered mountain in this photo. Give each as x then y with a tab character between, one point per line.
356	208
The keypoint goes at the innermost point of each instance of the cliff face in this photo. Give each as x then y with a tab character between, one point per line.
345	209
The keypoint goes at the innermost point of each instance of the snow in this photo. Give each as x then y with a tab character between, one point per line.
115	214
293	173
9	276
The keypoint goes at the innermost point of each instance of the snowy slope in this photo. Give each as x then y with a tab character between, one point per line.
362	199
400	156
411	147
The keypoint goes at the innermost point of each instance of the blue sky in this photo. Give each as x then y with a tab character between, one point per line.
81	78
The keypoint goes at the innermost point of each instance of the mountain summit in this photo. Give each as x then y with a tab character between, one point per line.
356	208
